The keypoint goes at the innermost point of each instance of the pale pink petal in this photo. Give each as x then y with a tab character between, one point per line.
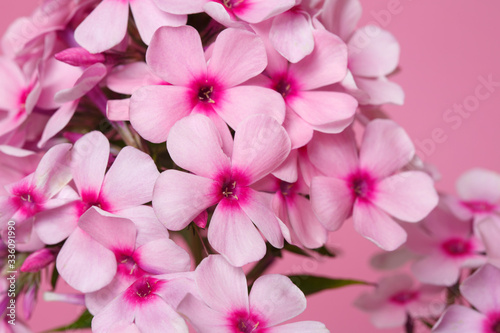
298	130
201	317
327	111
458	318
90	77
130	180
389	316
257	206
162	256
197	136
341	16
10	89
177	286
256	11
57	122
409	196
240	102
260	146
373	52
377	226
225	133
53	171
179	197
127	78
380	91
55	225
112	232
148	227
85	264
291	34
326	65
288	170
219	13
232	234
331	201
306	225
149	18
237	56
105	27
300	327
97	300
118	109
334	154
482	290
161	106
222	286
276	63
176	55
276	299
436	269
116	314
479	184
158	316
385	148
7	209
181	6
90	159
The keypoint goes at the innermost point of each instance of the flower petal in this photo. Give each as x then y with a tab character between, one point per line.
176	55
237	56
85	264
385	148
380	91
55	225
437	270
260	146
482	290
130	180
276	299
194	143
161	106
458	318
203	318
105	27
232	234
479	184
222	286
305	224
377	226
409	196
331	201
326	65
162	256
57	122
300	327
181	6
179	197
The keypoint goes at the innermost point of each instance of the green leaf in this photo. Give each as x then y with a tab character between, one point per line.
84	321
54	277
310	284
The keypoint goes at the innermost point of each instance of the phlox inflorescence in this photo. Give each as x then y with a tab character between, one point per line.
148	158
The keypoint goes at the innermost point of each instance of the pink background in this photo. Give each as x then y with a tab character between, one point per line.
446	46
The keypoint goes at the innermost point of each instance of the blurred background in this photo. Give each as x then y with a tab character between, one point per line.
448	49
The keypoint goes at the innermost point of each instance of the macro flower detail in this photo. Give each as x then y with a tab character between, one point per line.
367	185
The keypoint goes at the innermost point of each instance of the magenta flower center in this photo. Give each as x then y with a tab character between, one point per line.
286	188
230	190
127	265
28	201
243	322
205	94
404	297
142	290
361	185
457	247
479	206
231	3
492	323
283	87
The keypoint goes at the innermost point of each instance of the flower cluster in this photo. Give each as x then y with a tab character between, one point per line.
148	157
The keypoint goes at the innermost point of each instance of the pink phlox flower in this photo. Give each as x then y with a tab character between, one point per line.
304	86
16	164
122	190
148	305
34	194
214	89
367	184
106	26
224	305
482	291
478	195
396	297
445	244
373	54
195	144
